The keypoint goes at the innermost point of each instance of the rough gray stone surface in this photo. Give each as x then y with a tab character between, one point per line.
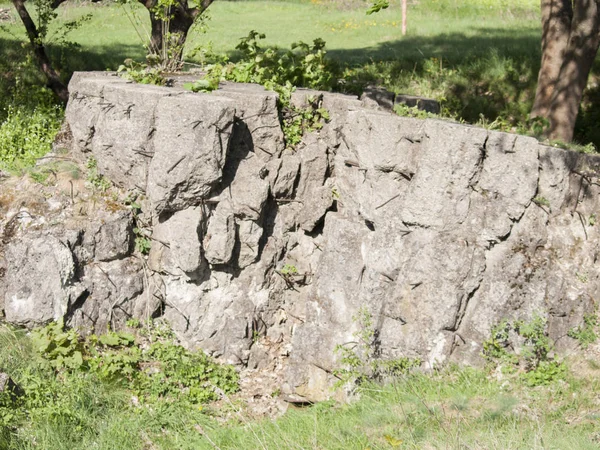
191	141
176	249
39	280
424	104
264	256
219	241
110	238
113	294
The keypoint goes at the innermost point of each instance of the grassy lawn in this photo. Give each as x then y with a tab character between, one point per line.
449	29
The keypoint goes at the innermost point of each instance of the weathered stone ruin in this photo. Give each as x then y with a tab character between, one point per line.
262	254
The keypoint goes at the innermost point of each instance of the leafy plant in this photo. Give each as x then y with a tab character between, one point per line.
96	180
289	269
298	121
360	359
149	362
303	65
59	348
413	111
377	6
537	344
545	373
143	243
524	347
496	347
141	230
592	220
586	333
204	85
141	73
541	201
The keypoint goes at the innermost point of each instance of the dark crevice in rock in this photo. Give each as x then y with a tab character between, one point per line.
164	216
270	212
241	144
296	182
409	225
480	165
462	308
233	267
77	304
329	169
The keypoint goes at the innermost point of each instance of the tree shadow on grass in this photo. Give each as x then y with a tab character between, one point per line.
453	47
490	76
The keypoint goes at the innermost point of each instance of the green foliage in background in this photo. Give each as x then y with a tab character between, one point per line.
30	122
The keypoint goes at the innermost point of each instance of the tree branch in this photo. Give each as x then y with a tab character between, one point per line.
39	51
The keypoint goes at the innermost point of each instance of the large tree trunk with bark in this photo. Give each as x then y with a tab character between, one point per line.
579	57
39	51
570	40
556	26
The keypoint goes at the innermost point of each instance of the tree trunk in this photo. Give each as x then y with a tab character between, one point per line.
182	17
578	59
175	30
54	81
556	25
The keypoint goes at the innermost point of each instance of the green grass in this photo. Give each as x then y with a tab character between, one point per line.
452	408
455	408
451	29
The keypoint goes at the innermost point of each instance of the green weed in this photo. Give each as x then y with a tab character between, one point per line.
523	348
72	387
587	333
360	361
97	181
141	73
541	201
408	111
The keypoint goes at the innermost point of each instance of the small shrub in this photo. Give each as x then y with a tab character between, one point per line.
360	360
586	334
532	359
495	349
141	73
96	180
